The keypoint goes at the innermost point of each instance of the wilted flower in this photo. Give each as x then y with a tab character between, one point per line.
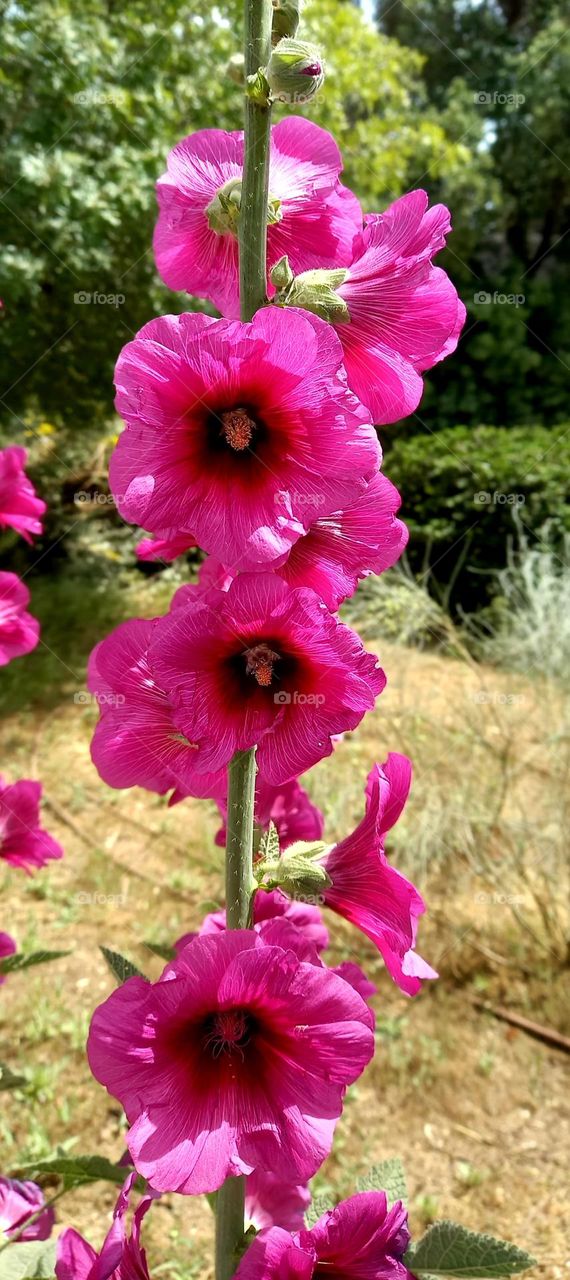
120	1256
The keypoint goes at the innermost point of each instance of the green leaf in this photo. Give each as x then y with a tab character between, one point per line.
448	1249
388	1176
163	950
76	1171
318	1206
8	1080
269	848
27	1261
121	968
13	964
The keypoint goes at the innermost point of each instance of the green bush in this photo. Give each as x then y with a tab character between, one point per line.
460	490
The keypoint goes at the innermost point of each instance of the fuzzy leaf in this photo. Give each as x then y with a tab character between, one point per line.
119	966
448	1249
269	844
30	1260
13	964
388	1176
77	1171
318	1206
163	950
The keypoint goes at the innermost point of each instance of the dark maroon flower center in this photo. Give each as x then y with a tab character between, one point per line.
228	1033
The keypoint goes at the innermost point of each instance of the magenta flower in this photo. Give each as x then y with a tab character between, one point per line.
270	906
7	948
265	664
361	1239
272	1203
19	1201
19	631
310	215
288	807
166	547
137	741
23	842
339	549
20	507
121	1255
237	433
236	1059
370	893
405	314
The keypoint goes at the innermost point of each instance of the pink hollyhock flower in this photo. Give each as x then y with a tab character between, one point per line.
236	432
405	314
236	1059
370	893
310	215
20	507
264	664
23	842
167	546
361	1239
7	948
288	807
270	906
339	549
137	741
272	1203
19	631
19	1201
285	932
121	1255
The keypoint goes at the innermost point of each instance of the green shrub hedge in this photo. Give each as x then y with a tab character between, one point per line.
464	489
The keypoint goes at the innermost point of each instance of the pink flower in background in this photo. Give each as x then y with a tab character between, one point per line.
289	933
311	216
288	807
20	507
237	433
236	1059
361	1239
167	546
23	842
272	1203
137	741
339	549
120	1256
405	314
270	906
18	1202
7	948
263	664
370	893
19	631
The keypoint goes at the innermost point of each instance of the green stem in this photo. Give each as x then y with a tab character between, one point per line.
255	185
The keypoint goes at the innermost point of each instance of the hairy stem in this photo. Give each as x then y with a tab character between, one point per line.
255	186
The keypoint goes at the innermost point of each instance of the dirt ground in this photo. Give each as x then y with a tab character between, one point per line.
477	1110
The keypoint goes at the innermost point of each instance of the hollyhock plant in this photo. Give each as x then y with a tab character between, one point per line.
339	549
23	842
310	215
288	807
19	631
361	1239
402	315
370	893
237	433
19	1202
20	507
262	663
137	742
121	1256
236	1059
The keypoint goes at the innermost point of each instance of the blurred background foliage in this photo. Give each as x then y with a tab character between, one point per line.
469	100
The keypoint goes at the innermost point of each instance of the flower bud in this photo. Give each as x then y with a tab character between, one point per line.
294	71
285	19
224	210
312	291
298	872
